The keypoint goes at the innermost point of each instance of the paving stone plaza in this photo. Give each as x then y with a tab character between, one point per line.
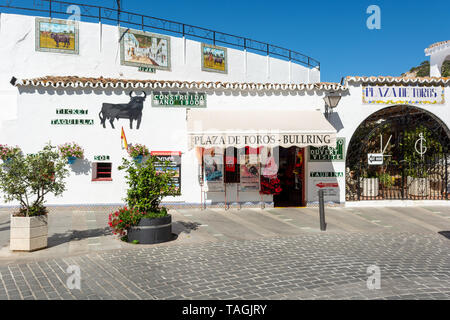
239	254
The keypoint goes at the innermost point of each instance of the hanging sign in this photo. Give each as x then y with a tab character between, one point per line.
174	165
403	95
179	99
375	158
249	172
326	153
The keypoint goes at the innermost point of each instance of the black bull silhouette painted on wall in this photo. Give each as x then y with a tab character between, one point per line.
131	110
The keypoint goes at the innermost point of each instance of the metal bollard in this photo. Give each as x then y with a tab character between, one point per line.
322	211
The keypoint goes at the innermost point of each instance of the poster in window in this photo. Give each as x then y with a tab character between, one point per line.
213	164
250	169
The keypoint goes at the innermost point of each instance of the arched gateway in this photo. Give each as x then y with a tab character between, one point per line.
399	152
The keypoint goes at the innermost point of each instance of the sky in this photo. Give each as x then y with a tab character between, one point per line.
333	32
54	27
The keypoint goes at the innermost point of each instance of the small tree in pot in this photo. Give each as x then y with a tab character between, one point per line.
28	179
145	221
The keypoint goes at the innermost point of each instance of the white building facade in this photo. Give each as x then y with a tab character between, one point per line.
266	104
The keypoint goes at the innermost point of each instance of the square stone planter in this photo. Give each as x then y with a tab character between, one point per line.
28	233
369	187
419	187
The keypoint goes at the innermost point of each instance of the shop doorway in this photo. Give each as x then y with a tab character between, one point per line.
292	176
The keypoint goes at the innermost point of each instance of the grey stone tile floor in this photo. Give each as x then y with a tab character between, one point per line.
239	254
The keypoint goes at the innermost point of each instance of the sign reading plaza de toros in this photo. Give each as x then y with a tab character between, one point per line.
403	95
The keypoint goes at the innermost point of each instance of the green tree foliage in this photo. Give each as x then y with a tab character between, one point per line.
445	70
147	185
413	160
28	179
423	70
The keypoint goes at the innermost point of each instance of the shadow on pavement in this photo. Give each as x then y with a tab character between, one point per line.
76	235
445	234
184	226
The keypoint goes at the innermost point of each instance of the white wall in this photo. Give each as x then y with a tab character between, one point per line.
162	129
99	55
437	57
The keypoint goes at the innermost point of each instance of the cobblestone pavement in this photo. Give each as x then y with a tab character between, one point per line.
313	266
278	254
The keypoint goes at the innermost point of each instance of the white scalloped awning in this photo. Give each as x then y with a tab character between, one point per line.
398	80
86	82
240	128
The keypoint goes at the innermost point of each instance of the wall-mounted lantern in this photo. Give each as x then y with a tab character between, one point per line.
331	101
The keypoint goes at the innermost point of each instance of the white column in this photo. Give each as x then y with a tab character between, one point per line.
101	35
184	49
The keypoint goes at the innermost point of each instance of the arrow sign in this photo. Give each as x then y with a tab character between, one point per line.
375	158
329	185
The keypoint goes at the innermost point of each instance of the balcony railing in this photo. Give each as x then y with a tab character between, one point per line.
93	13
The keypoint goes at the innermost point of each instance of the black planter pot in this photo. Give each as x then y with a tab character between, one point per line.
148	231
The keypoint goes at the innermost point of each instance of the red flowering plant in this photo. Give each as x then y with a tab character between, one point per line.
7	152
71	149
138	150
123	219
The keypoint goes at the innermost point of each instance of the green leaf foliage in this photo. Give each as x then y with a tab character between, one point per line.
28	179
148	183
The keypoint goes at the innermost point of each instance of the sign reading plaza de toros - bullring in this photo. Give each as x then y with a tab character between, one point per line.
271	139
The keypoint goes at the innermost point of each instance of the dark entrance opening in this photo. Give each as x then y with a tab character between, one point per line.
292	176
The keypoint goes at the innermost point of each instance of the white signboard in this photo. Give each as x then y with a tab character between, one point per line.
330	187
375	158
403	95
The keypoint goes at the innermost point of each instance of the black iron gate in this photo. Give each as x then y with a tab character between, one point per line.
399	152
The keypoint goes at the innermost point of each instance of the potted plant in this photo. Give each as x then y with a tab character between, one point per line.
71	151
138	152
386	180
28	179
369	184
7	153
417	180
143	220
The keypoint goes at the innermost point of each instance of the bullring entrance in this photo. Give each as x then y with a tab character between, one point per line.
399	152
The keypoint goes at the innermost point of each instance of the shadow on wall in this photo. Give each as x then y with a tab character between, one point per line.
81	166
335	121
